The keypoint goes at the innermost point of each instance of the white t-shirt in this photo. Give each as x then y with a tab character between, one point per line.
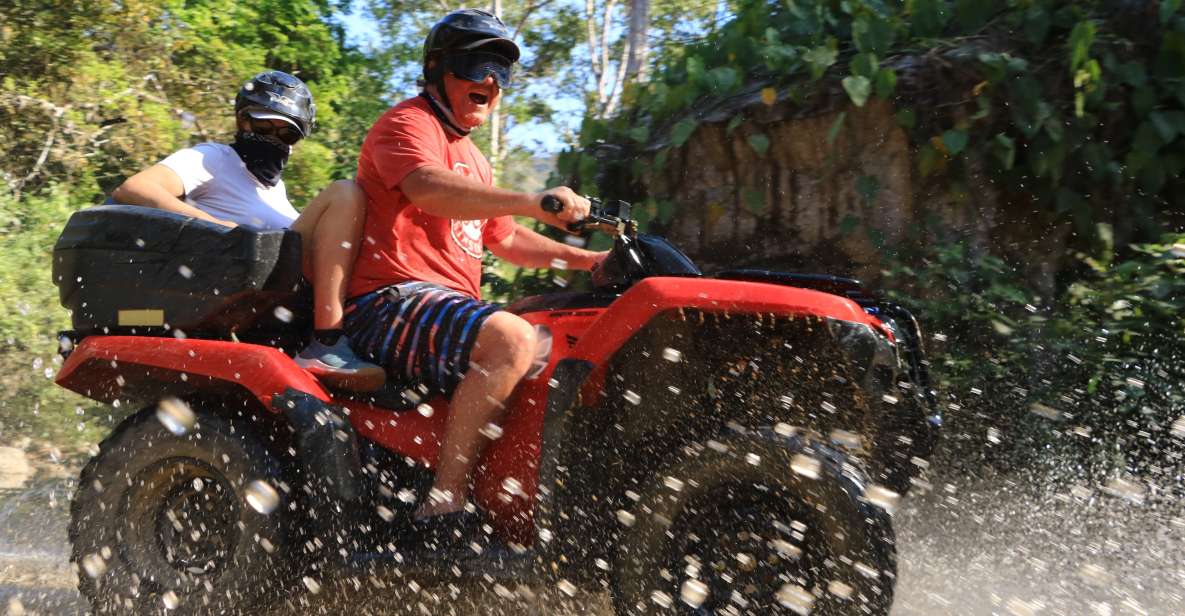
217	182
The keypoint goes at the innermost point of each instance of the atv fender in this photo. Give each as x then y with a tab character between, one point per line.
652	296
325	444
138	370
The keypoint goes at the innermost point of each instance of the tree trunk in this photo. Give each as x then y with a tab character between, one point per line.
639	41
496	118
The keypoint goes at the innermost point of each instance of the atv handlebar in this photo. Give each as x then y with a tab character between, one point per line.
613	220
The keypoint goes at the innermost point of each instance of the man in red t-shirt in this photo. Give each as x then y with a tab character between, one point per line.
431	210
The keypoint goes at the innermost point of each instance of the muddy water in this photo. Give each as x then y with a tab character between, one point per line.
989	547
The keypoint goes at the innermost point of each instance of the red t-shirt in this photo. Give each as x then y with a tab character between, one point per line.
401	242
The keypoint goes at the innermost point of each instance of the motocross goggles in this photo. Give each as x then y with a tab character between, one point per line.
287	132
475	66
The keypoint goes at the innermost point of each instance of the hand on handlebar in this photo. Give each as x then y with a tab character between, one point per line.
560	207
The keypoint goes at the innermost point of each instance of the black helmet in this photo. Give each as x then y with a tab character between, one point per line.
280	95
466	30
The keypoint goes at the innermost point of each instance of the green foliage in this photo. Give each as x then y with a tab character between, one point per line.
1075	109
1082	373
91	92
30	317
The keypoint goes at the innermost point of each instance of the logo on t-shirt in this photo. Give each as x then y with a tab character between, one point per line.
467	235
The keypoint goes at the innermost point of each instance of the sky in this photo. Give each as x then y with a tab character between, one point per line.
542	139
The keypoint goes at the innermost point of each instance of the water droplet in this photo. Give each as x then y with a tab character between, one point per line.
185	271
672	355
386	514
513	487
15	607
283	314
786	549
866	570
566	587
753	459
1044	410
94	565
491	431
805	465
425	409
661	599
175	415
1178	250
262	497
559	264
840	589
882	497
1094	574
993	436
1178	429
313	585
796	599
1127	490
626	518
170	600
406	496
347	245
693	593
672	483
843	438
632	397
198	484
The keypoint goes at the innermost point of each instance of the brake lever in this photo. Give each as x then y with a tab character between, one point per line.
597	219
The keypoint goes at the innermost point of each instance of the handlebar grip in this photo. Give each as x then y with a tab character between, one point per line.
551	203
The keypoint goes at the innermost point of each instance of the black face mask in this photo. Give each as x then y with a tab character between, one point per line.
264	155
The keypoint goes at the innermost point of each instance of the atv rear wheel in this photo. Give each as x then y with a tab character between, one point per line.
735	527
174	521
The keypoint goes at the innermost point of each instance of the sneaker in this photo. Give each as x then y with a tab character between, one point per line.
338	367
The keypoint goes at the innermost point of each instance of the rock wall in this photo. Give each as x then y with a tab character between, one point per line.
797	205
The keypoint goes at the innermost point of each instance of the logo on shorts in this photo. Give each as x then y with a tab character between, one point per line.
467	235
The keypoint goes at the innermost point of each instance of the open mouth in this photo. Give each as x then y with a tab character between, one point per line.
478	99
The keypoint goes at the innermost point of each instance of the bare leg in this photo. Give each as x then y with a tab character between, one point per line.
330	228
500	358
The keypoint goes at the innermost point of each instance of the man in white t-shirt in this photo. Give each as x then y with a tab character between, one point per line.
239	184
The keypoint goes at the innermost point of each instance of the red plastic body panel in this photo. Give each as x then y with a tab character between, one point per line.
101	366
506	480
654	295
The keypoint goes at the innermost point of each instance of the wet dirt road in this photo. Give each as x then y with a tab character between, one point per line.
992	547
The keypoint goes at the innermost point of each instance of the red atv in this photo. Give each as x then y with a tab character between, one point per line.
695	443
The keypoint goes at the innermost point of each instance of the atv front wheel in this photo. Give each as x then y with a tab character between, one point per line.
188	522
732	529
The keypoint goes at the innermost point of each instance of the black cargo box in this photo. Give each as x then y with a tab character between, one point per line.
128	269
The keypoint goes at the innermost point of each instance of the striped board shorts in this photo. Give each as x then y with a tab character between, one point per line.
419	331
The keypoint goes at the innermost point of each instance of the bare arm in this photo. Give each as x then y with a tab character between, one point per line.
525	248
161	188
441	192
